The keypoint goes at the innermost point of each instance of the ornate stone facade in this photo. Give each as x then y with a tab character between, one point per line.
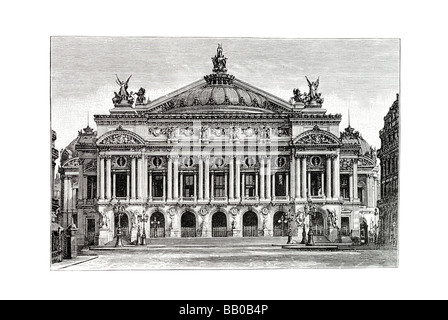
389	157
217	158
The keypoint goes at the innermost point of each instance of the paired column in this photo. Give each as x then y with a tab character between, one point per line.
140	178
268	178
181	193
355	179
273	187
170	178
207	177
150	186
262	185
231	178
176	178
133	176
292	174
303	171
237	176
243	186
101	175
201	179
336	187
328	174
114	186
81	179
297	177
108	177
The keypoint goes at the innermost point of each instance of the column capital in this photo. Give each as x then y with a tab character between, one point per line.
102	156
331	156
301	156
133	156
239	158
107	156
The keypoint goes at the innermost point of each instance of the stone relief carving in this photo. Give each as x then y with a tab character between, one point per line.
119	138
73	163
346	164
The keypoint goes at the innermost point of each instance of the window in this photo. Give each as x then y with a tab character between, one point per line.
344	186
345	226
91	187
188	186
280	184
249	183
316	184
157	186
219	185
121	185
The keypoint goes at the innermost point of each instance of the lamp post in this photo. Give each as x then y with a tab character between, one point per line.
119	210
282	222
155	223
311	212
144	219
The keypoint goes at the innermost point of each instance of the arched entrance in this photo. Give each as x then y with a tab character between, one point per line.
318	223
124	226
280	224
219	225
250	224
188	225
157	225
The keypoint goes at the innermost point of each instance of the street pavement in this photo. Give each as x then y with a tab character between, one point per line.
229	253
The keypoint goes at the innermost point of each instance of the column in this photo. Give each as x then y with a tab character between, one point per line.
336	186
176	178
303	182
309	183
98	177
261	178
150	186
268	178
114	186
292	174
328	173
81	179
65	199
108	176
355	179
170	178
101	189
201	179
181	193
207	178
273	187
212	187
195	185
231	179
144	175
256	185
350	186
133	176
297	177
243	179
69	201
140	176
128	186
237	176
164	187
287	185
225	185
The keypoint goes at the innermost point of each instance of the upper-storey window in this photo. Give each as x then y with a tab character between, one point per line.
188	186
280	184
157	185
91	187
121	184
345	193
219	185
249	190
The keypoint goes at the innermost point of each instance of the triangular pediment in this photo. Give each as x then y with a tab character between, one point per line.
231	95
317	137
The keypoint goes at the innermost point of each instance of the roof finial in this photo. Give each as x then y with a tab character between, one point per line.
349	117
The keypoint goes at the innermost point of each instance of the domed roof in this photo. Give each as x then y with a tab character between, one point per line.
350	137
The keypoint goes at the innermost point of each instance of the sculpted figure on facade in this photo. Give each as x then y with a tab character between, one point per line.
123	93
140	96
219	61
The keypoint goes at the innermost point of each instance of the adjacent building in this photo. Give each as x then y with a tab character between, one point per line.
389	157
218	158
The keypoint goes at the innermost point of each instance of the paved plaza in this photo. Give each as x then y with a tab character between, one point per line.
229	253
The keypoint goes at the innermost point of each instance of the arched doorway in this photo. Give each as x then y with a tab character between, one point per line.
124	226
250	224
280	224
219	225
317	223
157	225
188	225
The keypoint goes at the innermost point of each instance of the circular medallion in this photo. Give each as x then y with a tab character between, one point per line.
219	162
203	211
157	162
250	162
121	161
188	162
234	211
315	161
281	161
172	212
265	211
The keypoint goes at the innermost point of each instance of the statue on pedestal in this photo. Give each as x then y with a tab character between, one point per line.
219	61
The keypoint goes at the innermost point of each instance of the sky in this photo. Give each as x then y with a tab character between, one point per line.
360	75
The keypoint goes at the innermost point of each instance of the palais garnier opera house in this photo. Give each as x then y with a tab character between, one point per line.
218	158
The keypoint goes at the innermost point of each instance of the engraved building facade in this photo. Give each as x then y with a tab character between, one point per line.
218	158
